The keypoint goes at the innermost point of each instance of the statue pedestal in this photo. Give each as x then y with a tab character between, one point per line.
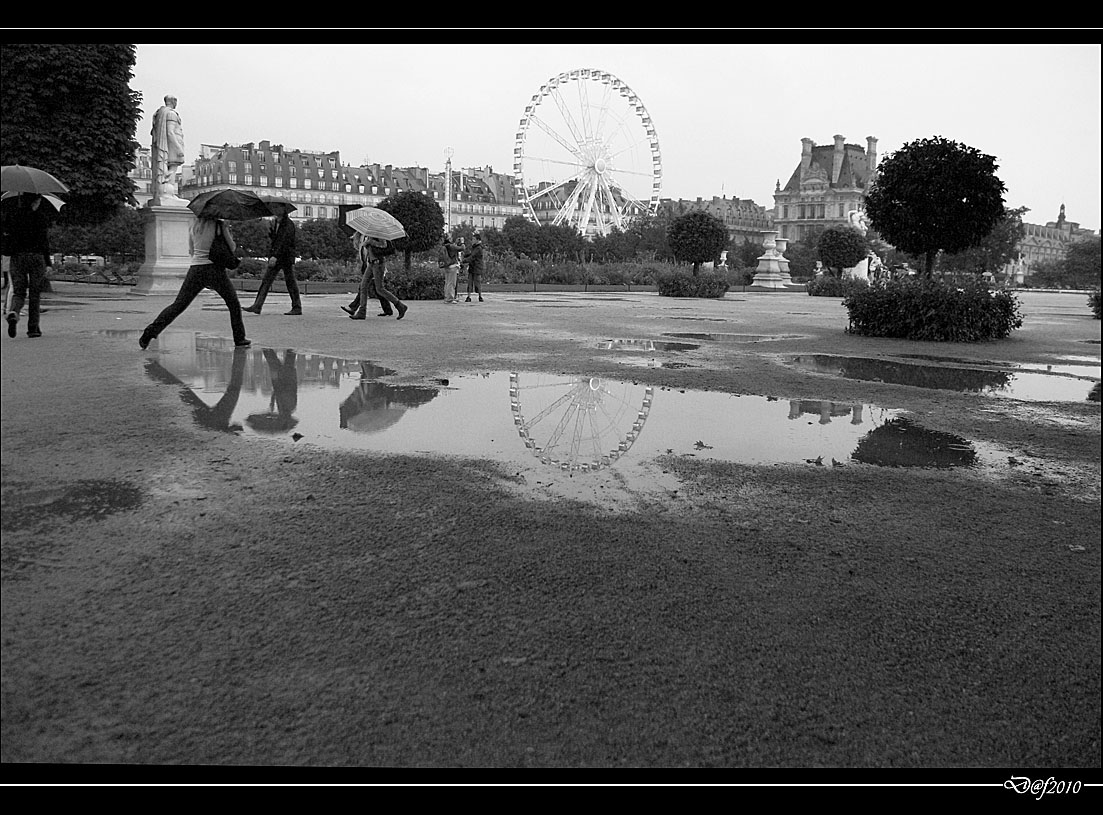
773	268
167	256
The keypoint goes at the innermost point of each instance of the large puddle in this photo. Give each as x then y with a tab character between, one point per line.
1073	379
557	423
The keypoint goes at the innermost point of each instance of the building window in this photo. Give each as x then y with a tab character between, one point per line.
264	181
294	182
306	184
248	166
233	166
248	181
233	178
294	170
279	181
263	168
308	212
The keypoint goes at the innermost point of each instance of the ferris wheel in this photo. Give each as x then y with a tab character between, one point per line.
578	423
586	154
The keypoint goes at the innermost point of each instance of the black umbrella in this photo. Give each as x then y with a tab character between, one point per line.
17	178
278	206
231	205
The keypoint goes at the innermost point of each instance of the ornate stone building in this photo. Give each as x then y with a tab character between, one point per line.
743	218
825	187
318	183
1044	244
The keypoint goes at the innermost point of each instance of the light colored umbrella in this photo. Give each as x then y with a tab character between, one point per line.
375	223
17	178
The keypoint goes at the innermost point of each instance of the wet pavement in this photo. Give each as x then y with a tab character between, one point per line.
568	423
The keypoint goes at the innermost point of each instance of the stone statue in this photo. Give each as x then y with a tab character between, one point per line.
167	150
857	219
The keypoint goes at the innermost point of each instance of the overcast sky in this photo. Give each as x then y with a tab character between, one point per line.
729	118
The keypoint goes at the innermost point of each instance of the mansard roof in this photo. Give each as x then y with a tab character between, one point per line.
853	173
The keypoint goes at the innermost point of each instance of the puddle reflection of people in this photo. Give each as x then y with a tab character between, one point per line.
216	417
285	395
375	406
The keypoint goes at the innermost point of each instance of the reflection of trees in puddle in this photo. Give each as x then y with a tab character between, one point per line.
902	443
577	423
375	406
902	373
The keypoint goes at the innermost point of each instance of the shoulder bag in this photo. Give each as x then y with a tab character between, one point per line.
220	254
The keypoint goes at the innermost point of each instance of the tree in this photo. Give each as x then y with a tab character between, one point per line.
122	234
251	238
841	247
422	218
697	237
522	235
802	257
935	194
748	253
323	238
1082	263
650	232
68	109
998	248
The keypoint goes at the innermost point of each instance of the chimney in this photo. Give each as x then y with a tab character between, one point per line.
871	154
805	155
837	159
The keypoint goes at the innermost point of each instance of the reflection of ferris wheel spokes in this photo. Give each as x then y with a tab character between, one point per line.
578	423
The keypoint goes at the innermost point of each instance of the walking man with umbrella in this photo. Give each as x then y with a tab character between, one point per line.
26	240
281	258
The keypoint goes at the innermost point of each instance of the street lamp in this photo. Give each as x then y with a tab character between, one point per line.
448	190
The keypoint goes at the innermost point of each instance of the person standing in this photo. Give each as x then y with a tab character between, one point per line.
377	249
282	235
450	262
475	263
26	240
202	274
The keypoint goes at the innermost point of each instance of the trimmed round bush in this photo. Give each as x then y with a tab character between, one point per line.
922	309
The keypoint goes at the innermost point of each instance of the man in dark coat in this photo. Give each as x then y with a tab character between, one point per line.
26	240
475	264
281	258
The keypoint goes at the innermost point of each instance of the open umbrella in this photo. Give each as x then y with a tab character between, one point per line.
278	206
375	223
230	205
53	199
17	178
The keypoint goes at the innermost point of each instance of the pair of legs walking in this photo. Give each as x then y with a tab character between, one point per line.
207	276
373	277
28	277
266	284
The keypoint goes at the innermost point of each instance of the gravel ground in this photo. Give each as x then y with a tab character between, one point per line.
176	596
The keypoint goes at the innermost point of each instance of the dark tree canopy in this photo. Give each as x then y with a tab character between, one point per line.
422	218
995	250
697	237
935	194
68	109
841	247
